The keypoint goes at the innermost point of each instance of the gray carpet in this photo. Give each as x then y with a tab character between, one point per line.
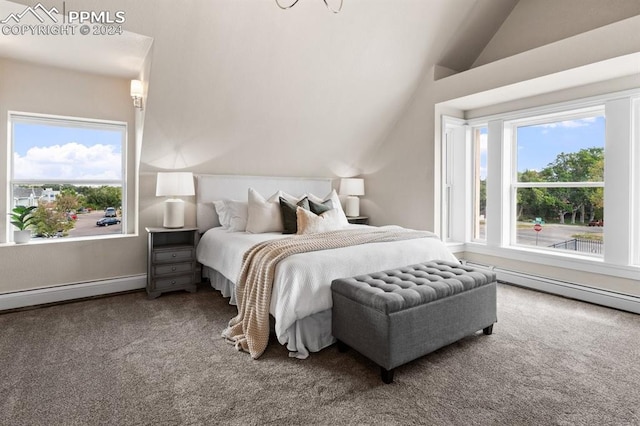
126	360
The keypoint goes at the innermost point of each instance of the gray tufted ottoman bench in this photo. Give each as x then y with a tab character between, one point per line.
396	316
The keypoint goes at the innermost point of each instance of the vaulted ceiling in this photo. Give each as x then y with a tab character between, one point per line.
229	76
232	77
466	26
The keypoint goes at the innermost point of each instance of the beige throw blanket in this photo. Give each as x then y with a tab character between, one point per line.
249	330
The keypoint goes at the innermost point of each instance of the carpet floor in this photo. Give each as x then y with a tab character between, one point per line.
126	360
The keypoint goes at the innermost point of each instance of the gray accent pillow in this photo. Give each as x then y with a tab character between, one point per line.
289	217
319	208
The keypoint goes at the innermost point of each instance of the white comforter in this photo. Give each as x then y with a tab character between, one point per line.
302	285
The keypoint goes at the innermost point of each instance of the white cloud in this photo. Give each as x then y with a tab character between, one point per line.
71	161
569	123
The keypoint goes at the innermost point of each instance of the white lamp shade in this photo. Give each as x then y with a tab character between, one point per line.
352	186
136	88
175	184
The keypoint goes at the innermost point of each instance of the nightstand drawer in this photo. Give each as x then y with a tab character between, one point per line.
177	282
175	268
175	255
171	260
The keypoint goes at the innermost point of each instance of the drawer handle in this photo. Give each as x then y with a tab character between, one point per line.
173	255
173	268
173	282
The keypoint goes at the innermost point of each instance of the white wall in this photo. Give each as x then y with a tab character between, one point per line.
46	90
535	23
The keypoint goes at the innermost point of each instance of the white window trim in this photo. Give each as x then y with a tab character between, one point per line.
92	123
476	151
622	241
512	127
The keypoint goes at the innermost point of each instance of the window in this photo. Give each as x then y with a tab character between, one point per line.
558	181
479	148
559	184
71	170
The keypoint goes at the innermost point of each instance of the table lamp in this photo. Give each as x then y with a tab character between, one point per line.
352	188
174	185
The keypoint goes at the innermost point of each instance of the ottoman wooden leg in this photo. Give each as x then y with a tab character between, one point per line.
488	330
387	375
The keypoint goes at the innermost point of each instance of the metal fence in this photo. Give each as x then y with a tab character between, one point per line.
577	244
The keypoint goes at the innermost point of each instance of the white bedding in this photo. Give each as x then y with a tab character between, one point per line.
302	285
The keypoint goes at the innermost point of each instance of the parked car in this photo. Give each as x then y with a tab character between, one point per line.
106	221
110	212
596	223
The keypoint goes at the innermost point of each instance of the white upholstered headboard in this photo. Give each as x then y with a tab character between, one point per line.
211	188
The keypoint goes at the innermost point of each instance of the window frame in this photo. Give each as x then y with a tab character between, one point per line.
512	127
67	121
476	152
624	261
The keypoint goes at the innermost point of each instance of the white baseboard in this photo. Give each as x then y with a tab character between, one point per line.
573	291
62	293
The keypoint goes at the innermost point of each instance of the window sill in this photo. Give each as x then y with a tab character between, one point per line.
63	240
583	263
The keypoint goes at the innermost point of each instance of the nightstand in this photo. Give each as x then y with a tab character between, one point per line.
359	220
171	261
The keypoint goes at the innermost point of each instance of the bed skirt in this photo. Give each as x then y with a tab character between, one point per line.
309	334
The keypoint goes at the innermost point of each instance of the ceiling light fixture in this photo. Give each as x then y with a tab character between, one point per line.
326	3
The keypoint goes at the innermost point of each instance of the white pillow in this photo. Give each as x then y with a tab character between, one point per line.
264	215
238	212
232	214
223	213
311	223
335	201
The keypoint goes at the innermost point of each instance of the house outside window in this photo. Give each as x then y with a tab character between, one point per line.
71	170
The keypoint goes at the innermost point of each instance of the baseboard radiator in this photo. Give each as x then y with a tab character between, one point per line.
596	296
63	293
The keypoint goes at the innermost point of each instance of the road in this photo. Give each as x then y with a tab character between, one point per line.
552	233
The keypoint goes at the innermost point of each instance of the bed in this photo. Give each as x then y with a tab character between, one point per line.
301	295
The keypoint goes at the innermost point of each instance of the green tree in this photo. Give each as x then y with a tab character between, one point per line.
483	197
586	165
529	199
103	196
67	200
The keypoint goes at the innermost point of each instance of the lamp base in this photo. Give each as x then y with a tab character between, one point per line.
352	206
173	213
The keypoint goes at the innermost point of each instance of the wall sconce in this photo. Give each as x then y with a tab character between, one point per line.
174	185
352	187
136	93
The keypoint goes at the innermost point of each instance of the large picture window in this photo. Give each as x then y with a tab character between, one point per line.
558	182
71	171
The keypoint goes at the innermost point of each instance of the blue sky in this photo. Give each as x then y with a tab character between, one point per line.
44	151
539	145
